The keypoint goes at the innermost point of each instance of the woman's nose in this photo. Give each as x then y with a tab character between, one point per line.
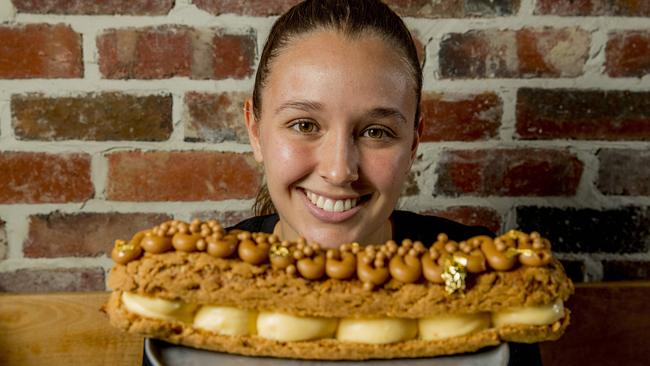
339	160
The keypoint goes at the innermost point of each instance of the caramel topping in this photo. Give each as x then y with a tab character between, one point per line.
221	247
185	242
312	268
123	253
445	262
252	252
153	243
369	274
407	268
340	265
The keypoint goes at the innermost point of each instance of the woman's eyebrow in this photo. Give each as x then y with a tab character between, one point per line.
303	105
386	112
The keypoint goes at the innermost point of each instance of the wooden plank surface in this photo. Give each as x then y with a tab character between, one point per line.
62	329
610	325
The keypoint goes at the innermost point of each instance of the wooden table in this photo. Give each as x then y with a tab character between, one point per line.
610	326
62	329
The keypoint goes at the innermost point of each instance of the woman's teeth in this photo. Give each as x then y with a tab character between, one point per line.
331	205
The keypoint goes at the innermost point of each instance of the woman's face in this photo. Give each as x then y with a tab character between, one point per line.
336	136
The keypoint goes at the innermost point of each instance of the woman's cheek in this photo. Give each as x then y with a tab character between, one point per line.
387	169
288	160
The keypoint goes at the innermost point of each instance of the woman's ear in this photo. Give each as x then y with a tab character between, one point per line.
253	128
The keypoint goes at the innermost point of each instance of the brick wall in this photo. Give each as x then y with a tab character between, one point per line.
116	115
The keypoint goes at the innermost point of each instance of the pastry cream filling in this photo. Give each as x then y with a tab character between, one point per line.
453	325
377	330
158	308
226	320
286	328
533	315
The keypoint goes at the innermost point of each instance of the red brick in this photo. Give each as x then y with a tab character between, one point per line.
469	215
624	172
145	53
626	270
628	54
525	53
637	8
491	7
175	51
44	178
623	230
583	114
461	117
40	51
508	172
226	218
181	176
83	234
85	7
234	55
53	280
249	7
98	117
215	117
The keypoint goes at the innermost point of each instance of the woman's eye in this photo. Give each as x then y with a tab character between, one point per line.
376	133
304	126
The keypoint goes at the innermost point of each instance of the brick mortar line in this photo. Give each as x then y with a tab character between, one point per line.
456	25
106	147
66	87
178	116
600	256
6	131
90	56
10	265
506	203
140	87
98	175
106	206
506	131
16	227
587	190
595	65
7	11
593	270
191	16
187	16
526	8
94	147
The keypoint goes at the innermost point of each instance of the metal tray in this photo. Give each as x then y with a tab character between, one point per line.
160	353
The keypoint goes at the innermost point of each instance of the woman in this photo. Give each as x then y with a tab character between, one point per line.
335	121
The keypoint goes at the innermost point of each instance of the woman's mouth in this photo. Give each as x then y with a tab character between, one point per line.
332	209
331	205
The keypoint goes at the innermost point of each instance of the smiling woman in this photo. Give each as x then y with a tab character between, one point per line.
335	121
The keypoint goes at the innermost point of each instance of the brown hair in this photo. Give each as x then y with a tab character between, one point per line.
350	17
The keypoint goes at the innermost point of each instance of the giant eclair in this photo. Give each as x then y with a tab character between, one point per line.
199	285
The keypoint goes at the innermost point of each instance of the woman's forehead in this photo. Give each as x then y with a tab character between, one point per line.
327	61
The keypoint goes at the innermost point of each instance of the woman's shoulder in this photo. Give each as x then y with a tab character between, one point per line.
257	224
425	228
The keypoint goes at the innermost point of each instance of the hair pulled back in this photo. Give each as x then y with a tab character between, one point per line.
352	18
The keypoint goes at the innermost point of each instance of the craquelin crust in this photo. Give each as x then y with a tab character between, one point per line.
202	279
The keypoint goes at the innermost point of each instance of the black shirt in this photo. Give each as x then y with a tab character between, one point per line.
406	225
